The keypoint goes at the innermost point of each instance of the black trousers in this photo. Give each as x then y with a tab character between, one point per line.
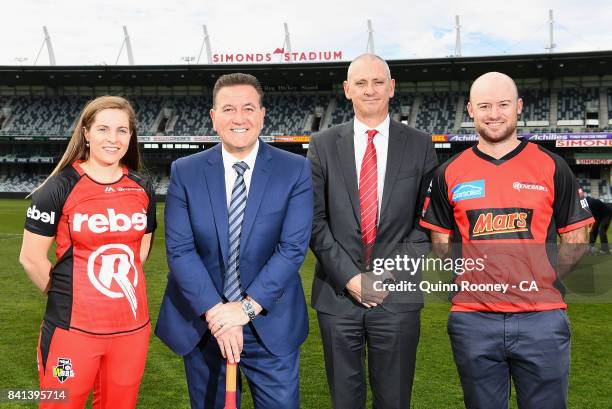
388	340
600	227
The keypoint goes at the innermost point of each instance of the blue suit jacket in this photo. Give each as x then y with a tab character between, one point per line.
274	240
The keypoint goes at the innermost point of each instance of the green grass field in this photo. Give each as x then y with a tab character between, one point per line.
436	383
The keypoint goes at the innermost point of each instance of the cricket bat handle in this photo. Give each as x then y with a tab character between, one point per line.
230	386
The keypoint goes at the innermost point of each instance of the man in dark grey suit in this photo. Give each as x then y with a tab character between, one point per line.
369	179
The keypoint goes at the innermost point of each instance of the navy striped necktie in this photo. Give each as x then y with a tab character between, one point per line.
231	287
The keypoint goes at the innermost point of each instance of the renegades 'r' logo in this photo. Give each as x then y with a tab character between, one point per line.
500	223
109	269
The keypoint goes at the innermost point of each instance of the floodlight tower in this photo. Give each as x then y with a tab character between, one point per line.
205	42
370	45
551	26
287	42
47	42
457	37
128	46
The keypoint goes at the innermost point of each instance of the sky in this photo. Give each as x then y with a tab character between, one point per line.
89	32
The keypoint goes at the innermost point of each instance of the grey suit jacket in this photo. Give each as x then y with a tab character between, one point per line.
336	237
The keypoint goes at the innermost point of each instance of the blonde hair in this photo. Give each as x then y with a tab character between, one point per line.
77	148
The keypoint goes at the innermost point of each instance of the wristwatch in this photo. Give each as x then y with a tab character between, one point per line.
247	307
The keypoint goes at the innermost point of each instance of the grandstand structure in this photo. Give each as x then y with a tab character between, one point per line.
567	108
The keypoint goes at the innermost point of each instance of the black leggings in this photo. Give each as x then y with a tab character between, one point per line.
600	227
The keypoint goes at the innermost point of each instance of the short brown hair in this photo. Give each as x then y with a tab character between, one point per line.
238	78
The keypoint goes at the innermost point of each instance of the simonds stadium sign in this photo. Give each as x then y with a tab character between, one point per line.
279	53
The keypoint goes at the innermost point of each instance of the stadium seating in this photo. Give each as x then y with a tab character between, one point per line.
437	112
191	115
295	113
147	109
536	105
24	183
572	102
287	114
343	111
609	104
41	116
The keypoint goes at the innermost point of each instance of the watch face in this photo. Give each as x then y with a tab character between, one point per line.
247	306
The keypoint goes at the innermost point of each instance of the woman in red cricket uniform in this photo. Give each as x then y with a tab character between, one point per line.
101	214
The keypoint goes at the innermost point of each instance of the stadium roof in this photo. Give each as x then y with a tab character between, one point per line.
322	74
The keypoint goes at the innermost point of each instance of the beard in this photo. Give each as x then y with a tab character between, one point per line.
498	136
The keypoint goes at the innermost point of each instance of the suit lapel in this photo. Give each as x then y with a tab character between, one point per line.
215	179
395	153
346	158
259	181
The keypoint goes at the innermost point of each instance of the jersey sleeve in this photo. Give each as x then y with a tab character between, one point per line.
151	209
42	217
570	207
437	212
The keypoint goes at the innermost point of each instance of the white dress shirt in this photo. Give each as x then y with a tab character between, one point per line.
381	143
230	174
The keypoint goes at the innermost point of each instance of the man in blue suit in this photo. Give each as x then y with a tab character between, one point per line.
238	220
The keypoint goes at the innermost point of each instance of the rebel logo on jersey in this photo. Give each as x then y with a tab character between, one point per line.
45	217
63	370
500	223
111	221
111	270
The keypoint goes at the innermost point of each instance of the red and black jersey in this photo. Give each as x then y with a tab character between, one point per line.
97	283
509	211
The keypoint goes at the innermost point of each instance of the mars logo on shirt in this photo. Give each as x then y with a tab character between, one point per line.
112	272
500	223
63	370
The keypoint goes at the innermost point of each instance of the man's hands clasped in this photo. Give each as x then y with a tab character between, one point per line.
225	321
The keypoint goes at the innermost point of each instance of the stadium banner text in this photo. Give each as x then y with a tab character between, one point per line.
292	88
216	139
278	55
562	140
593	161
536	137
584	143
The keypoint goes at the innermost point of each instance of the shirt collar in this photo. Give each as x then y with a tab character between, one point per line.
383	128
229	159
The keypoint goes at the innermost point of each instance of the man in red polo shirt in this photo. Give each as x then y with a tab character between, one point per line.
505	201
